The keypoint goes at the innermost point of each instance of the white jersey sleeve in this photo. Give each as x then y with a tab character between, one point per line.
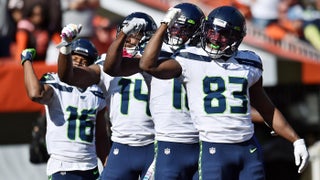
218	93
105	79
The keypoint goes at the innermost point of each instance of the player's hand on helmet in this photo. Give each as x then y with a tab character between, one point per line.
134	26
28	55
301	154
70	32
171	15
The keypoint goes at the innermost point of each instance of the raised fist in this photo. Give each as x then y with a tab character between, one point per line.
171	15
69	33
134	26
28	55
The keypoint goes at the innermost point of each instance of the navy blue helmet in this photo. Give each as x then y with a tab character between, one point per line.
147	31
223	31
186	26
85	48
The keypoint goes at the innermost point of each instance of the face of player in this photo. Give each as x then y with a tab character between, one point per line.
78	60
178	34
217	39
132	42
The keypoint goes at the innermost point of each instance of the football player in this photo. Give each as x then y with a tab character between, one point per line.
222	82
132	128
76	127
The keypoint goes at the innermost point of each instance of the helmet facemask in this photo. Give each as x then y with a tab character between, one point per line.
86	49
180	32
223	31
219	39
145	39
131	46
143	36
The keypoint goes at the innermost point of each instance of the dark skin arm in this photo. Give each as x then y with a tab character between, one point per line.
102	143
115	64
77	76
165	69
109	141
271	115
256	116
37	92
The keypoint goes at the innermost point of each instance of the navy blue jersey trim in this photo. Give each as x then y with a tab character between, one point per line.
100	62
192	56
46	77
49	79
249	63
61	88
98	94
165	55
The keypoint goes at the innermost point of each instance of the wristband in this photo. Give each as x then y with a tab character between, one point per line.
299	142
23	61
65	50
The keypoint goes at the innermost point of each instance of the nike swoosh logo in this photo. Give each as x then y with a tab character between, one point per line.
95	172
252	150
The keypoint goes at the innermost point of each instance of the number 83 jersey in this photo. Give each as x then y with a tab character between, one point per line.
71	119
218	93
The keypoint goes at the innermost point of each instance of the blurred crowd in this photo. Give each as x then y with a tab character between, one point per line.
285	19
37	24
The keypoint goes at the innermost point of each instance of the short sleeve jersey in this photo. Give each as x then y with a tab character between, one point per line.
71	119
127	99
218	93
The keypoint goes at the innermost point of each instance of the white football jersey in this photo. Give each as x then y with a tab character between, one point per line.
71	119
105	79
169	108
127	99
218	93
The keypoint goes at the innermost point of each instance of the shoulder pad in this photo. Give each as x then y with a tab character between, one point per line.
47	78
193	53
100	62
101	59
248	58
98	94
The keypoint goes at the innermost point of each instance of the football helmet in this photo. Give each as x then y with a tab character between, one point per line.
85	48
186	26
223	31
146	32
